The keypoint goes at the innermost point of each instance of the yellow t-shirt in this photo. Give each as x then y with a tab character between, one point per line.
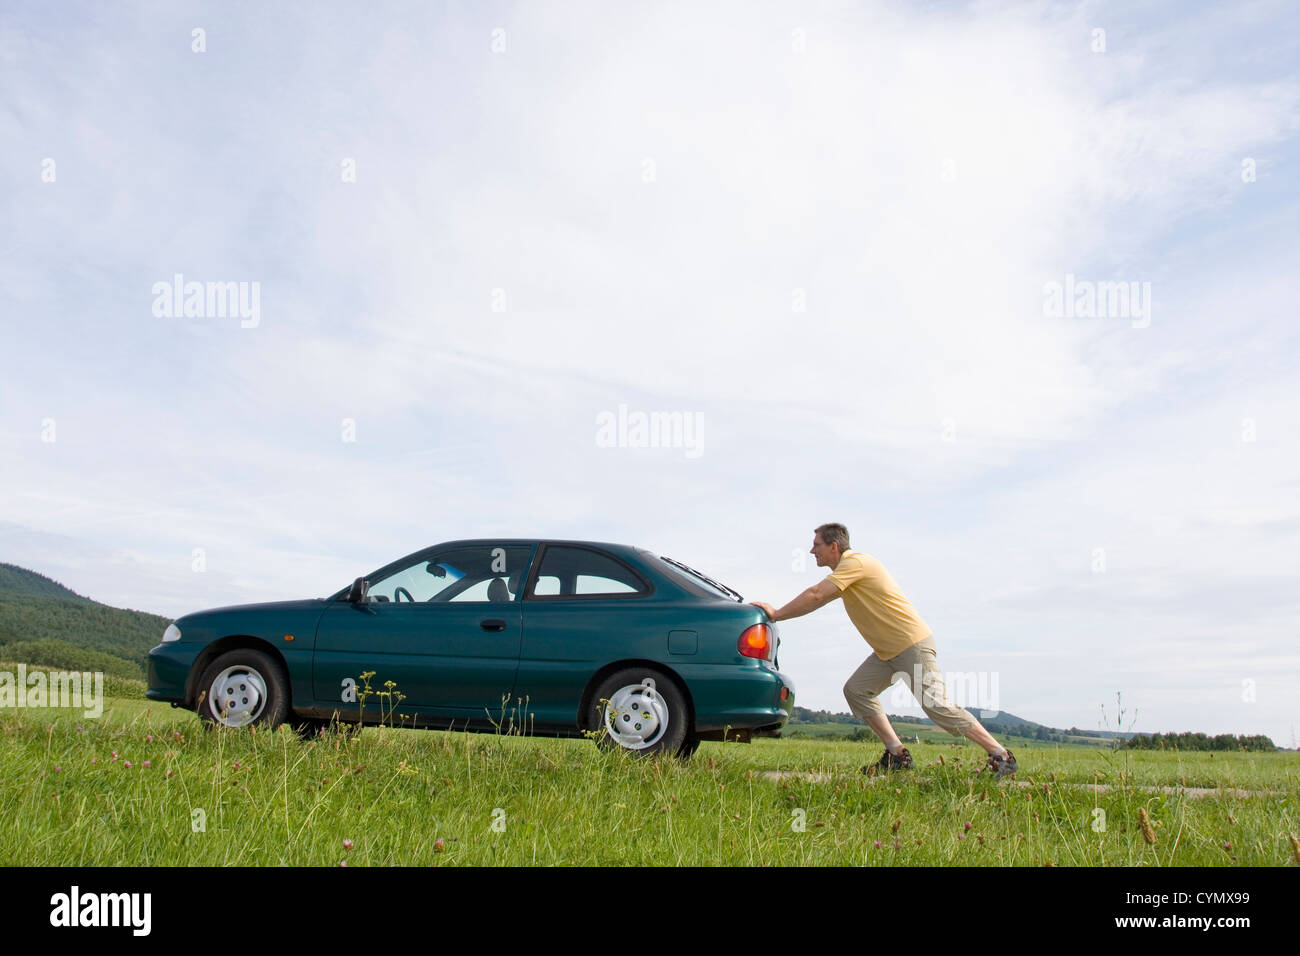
876	606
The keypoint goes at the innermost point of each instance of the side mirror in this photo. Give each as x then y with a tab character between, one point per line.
359	592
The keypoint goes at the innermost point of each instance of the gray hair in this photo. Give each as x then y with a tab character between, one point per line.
833	534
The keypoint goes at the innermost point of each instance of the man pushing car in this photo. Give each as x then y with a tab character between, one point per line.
901	642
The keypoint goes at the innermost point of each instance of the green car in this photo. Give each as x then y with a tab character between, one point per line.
550	638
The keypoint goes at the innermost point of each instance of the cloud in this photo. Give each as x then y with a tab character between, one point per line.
826	232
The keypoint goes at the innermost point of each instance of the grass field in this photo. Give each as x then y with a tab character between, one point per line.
146	785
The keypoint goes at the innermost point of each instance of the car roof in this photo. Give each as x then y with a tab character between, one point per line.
594	544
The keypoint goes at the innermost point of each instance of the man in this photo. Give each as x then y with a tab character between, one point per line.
901	641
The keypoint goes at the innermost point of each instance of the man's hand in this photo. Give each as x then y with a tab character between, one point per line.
821	593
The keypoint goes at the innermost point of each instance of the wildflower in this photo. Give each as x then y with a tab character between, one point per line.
438	845
176	736
879	844
1227	846
1148	832
896	824
148	738
170	772
114	754
81	730
238	764
967	826
57	769
146	763
126	764
347	844
343	862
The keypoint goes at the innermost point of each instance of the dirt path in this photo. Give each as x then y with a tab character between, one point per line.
1192	792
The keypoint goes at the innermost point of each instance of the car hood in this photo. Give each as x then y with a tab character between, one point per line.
271	621
312	604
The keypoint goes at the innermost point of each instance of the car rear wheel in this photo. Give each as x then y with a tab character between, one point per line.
640	711
244	687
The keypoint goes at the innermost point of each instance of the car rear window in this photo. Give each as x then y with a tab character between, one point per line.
694	580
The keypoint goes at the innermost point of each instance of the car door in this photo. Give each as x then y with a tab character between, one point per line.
445	628
580	612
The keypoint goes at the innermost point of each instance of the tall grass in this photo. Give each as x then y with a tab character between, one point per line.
411	797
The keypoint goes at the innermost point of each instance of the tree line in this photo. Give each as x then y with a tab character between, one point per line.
1198	741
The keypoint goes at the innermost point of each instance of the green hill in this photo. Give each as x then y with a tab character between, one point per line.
1001	718
43	622
820	723
19	581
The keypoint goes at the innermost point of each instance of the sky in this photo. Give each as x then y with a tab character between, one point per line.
826	236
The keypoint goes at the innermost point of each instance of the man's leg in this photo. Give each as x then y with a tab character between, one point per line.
861	690
933	697
885	731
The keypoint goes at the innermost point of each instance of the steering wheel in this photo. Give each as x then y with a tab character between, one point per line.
397	595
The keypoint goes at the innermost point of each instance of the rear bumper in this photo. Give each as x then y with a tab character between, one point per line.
758	699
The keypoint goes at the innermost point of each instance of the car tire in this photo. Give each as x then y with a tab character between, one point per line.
641	711
688	748
244	687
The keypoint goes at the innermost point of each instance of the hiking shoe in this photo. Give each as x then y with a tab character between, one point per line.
888	762
1001	766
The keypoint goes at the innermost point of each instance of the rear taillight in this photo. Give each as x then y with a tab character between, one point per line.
756	641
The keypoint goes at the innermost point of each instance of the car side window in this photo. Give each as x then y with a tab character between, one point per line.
598	584
582	572
483	573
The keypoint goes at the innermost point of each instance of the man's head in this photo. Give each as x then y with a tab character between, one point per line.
829	542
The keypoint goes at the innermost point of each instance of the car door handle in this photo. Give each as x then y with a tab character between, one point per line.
493	624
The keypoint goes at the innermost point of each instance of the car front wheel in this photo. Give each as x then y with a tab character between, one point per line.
244	687
640	711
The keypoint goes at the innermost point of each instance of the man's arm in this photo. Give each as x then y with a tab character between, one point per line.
823	592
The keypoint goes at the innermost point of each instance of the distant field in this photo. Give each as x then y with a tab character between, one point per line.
114	686
270	799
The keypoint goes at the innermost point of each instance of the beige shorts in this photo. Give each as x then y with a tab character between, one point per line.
917	663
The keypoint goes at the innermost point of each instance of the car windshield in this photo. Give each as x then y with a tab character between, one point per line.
696	580
468	573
